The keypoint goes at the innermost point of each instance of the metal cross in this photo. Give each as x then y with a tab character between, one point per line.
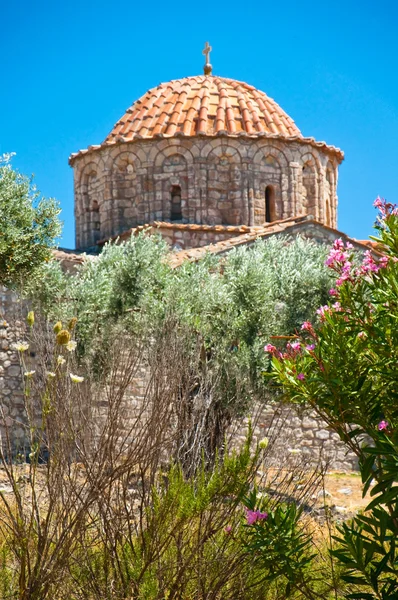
207	68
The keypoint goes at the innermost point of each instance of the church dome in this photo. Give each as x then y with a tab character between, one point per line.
203	151
203	105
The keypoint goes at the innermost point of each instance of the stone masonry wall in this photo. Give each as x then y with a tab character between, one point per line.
221	181
297	434
12	414
194	236
291	432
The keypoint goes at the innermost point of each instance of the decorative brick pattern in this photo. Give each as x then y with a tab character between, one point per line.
223	181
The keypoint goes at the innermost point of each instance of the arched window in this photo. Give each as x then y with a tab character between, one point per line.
90	228
175	198
269	204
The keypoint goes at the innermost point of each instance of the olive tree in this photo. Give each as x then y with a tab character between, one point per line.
224	306
29	226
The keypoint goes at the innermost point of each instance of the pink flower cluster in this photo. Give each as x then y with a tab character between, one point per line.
270	349
322	311
382	426
307	326
293	347
255	515
386	208
339	260
338	255
369	265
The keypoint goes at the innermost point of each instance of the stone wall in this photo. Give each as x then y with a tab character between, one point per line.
297	434
292	433
220	180
195	236
12	413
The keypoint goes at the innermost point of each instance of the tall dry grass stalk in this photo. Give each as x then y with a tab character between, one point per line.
125	493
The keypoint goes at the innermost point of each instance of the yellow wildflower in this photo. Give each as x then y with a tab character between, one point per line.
76	378
63	337
57	327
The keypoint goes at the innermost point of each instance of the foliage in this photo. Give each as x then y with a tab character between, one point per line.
347	369
229	302
29	226
223	306
98	512
276	541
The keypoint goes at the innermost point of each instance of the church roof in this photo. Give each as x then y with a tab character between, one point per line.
203	105
245	235
304	225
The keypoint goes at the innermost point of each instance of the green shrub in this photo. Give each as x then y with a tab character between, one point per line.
346	368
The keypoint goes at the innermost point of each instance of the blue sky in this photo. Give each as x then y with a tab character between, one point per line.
71	69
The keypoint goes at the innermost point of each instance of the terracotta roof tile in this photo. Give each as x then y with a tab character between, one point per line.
239	101
283	226
205	106
64	254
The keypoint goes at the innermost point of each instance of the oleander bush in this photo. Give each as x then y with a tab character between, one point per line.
346	368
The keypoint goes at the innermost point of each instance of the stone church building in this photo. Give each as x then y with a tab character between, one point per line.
203	159
210	163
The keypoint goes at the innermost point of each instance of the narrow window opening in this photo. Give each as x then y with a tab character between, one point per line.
95	217
175	194
269	204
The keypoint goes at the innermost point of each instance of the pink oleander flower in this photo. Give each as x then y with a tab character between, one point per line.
338	244
382	426
386	209
295	346
251	516
269	348
322	310
369	264
338	255
306	326
335	257
310	347
333	292
301	376
362	335
228	529
337	307
379	203
255	515
262	516
345	273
